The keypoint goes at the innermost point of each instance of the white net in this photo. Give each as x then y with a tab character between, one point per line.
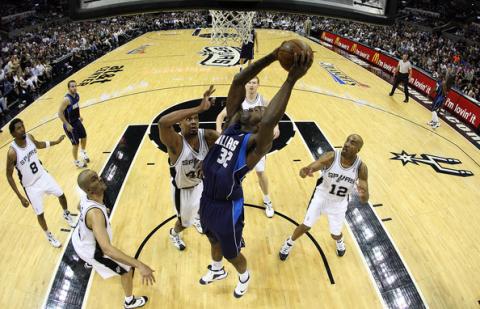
231	25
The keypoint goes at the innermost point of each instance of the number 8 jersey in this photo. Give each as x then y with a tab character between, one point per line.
28	165
337	181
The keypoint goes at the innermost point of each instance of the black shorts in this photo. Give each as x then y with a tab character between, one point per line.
222	221
77	133
247	51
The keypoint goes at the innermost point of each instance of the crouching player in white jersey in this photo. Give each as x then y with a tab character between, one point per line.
340	171
186	152
253	99
92	241
35	180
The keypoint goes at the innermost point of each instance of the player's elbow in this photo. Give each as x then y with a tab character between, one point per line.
107	249
162	123
363	197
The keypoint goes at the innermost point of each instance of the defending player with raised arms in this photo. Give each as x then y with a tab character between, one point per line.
186	151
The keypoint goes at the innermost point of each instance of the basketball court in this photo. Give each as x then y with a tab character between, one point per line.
425	208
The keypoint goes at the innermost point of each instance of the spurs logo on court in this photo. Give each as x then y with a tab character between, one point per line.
339	76
223	56
433	161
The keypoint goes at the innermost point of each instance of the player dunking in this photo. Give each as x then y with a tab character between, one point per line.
69	113
186	151
340	171
440	97
35	180
247	138
253	99
92	240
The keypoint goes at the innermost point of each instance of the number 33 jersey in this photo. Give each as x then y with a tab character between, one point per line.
337	182
185	170
225	165
28	165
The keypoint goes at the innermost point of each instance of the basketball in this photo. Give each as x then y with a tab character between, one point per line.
288	49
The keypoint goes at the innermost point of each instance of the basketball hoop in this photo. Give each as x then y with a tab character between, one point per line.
235	25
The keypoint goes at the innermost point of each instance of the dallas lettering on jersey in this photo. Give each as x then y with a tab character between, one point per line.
227	142
27	157
102	75
341	178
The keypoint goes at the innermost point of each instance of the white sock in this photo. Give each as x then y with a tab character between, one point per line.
290	241
266	198
128	298
66	212
434	117
339	241
173	233
216	265
47	233
244	277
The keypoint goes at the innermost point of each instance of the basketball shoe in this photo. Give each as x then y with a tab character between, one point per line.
241	287
285	250
136	302
53	241
269	209
176	240
213	275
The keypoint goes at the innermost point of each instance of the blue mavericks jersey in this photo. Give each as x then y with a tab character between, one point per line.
72	112
225	165
439	97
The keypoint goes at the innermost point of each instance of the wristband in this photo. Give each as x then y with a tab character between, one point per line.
47	144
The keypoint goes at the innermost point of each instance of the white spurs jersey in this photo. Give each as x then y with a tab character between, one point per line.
28	165
337	182
259	101
184	171
83	239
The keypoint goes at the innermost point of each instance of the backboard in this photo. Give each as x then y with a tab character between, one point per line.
371	11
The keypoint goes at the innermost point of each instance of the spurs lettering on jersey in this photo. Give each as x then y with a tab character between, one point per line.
28	165
185	170
337	181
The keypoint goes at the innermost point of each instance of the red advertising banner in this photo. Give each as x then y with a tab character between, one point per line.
466	109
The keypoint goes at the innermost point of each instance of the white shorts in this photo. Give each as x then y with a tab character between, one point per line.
106	267
44	185
186	203
335	211
260	167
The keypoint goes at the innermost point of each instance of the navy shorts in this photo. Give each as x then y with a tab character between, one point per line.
222	221
77	133
247	51
437	103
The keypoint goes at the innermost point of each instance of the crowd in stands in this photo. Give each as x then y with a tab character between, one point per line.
37	59
430	51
